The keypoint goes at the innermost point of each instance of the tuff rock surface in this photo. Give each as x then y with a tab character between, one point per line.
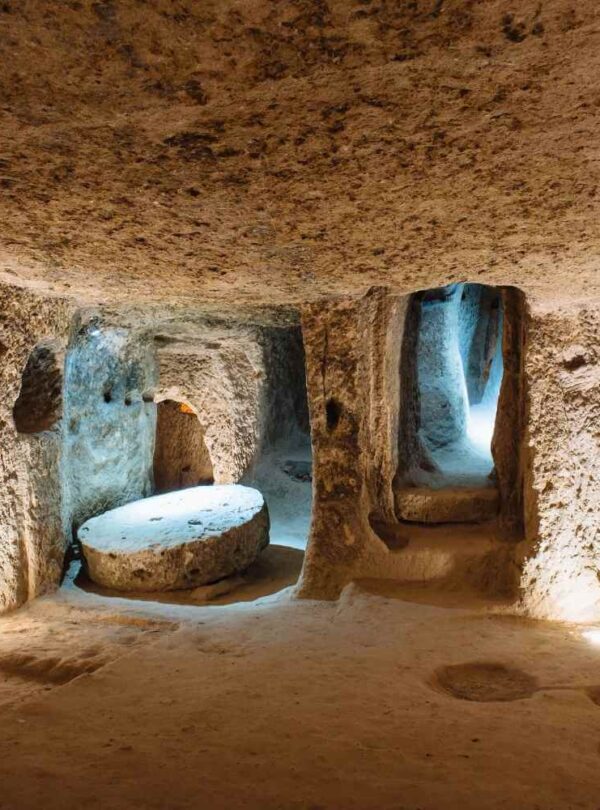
204	177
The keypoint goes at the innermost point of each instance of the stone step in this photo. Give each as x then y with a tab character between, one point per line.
448	505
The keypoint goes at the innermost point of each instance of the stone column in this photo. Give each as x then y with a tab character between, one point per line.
352	360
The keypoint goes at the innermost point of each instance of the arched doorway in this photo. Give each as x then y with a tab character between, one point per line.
181	457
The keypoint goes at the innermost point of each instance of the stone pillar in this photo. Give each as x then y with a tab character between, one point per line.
352	360
507	443
561	557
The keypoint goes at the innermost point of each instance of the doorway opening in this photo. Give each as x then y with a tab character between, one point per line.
452	369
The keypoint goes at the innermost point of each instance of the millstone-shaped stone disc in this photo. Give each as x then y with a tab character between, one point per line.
179	540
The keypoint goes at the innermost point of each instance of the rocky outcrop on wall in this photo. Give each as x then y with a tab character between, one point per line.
561	567
109	420
32	542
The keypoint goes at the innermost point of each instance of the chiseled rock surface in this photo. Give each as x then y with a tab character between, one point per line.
561	558
179	540
289	151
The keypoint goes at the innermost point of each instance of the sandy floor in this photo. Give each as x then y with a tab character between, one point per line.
287	704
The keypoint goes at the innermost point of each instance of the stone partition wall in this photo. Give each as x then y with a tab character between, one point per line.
32	543
561	557
546	447
361	385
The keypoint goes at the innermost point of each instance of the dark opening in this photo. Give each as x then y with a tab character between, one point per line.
333	410
39	404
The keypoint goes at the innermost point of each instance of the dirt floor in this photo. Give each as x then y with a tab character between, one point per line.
379	701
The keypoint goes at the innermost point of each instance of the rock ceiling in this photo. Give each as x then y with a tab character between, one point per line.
221	153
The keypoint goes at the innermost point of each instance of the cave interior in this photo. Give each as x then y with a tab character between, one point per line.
299	405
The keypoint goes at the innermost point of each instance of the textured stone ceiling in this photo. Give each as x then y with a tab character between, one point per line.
221	154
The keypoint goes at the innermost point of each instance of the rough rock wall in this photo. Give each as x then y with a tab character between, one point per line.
109	420
32	542
561	573
444	400
412	453
480	337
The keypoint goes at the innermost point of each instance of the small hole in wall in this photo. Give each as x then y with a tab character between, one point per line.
107	396
127	401
333	410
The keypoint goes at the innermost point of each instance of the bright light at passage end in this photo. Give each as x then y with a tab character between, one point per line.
592	635
480	426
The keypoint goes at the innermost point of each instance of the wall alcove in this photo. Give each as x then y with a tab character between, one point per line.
181	457
39	405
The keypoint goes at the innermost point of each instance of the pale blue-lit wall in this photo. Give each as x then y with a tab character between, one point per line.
109	421
442	388
459	363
